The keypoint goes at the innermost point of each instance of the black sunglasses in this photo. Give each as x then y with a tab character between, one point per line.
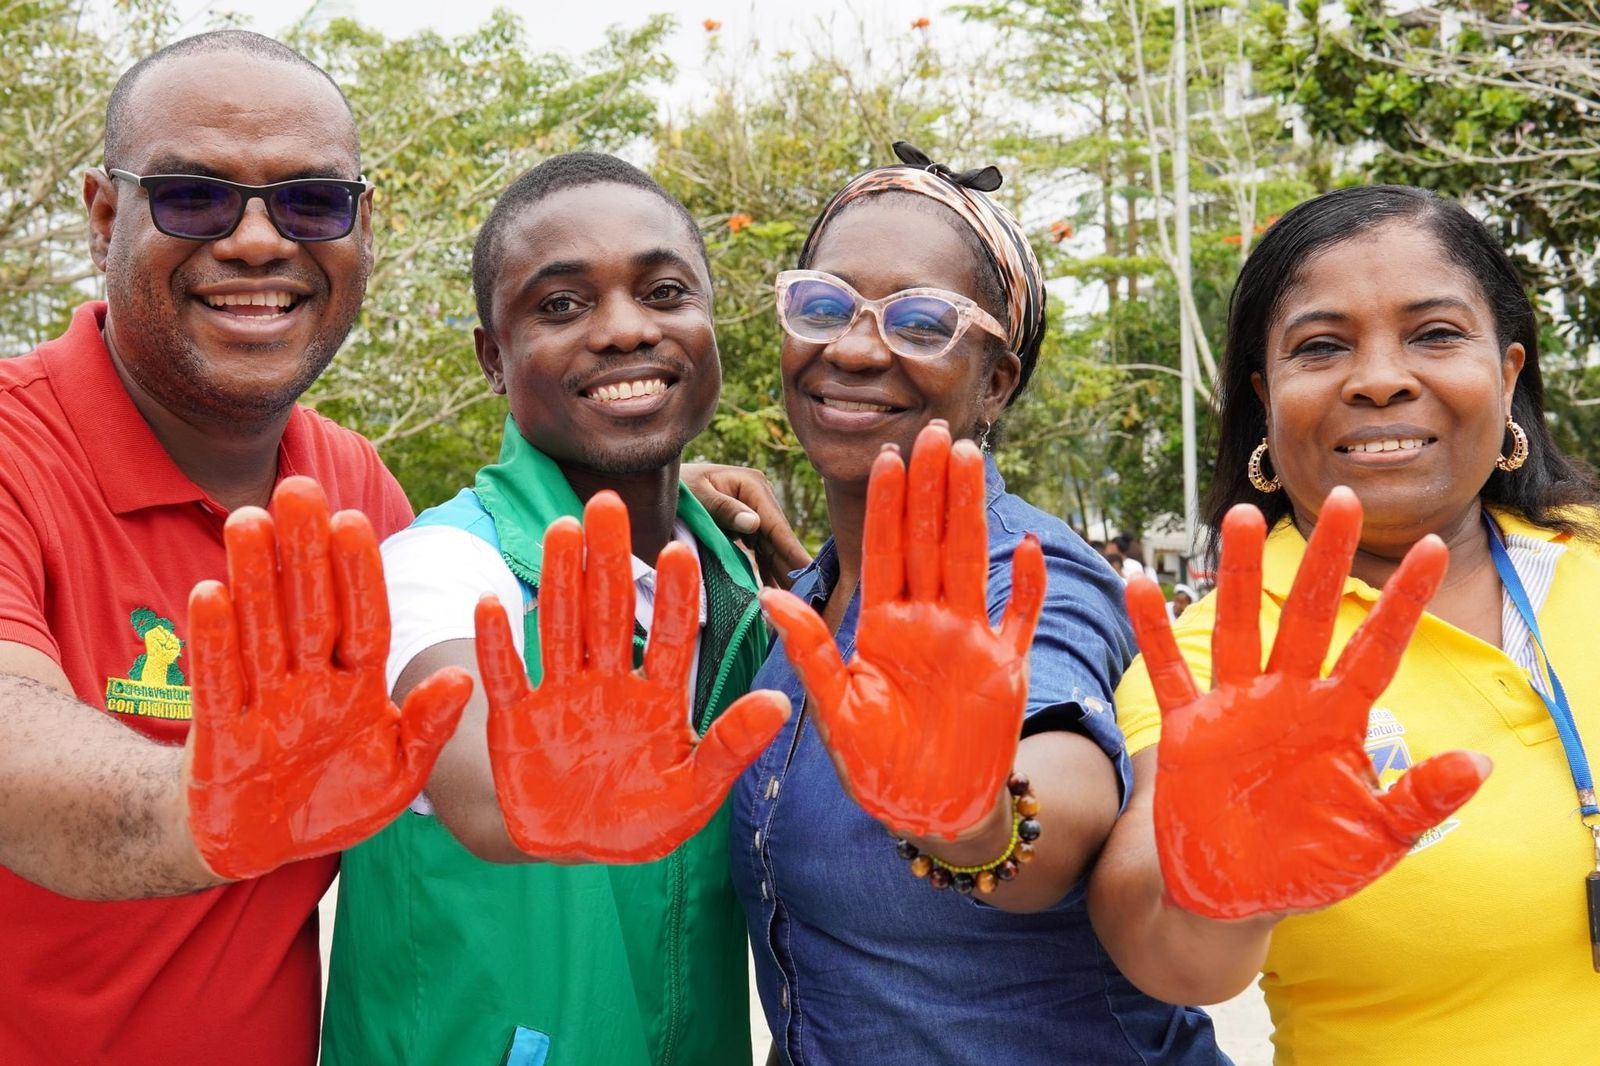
196	208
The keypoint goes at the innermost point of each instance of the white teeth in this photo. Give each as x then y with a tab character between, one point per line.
628	389
1408	444
277	298
851	405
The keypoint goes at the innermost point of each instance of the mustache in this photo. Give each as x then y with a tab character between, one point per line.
648	359
304	279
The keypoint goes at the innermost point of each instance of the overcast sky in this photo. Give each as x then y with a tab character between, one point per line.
575	26
578	25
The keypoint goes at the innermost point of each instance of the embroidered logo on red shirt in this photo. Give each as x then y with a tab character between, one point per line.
154	687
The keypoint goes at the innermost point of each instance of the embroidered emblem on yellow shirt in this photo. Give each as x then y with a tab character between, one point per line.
1391	757
154	687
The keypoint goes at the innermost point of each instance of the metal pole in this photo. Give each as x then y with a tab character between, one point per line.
1186	345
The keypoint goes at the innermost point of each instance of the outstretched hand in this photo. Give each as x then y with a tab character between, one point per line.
1265	799
600	763
923	724
295	749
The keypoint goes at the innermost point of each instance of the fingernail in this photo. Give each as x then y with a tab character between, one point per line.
746	522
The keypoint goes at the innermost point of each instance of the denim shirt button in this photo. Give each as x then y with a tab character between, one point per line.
758	838
766	893
772	788
784	997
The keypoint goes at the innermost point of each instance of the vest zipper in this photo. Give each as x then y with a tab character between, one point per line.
735	640
679	879
674	956
677	861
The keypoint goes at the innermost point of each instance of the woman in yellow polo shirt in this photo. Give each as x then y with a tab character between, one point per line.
1379	339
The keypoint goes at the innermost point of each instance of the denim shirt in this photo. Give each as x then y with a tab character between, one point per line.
858	961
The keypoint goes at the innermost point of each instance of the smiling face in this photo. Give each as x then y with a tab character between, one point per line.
847	398
229	331
602	334
1383	373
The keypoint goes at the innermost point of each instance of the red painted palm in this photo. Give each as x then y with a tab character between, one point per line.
924	721
296	749
1265	800
599	763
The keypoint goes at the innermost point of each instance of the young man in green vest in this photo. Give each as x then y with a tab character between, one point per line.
594	297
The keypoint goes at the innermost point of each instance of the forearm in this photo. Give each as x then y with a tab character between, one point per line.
462	793
89	808
1169	953
461	788
1077	791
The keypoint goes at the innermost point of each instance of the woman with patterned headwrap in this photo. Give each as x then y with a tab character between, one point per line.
916	317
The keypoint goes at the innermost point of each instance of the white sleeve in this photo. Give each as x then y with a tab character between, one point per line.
436	574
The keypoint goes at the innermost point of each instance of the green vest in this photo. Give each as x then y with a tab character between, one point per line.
441	958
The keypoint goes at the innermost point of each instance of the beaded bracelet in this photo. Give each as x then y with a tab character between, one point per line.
1025	830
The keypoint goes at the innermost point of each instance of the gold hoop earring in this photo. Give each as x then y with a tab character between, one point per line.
1519	448
1254	473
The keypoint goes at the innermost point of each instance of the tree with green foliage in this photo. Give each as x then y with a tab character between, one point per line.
1494	103
446	124
755	165
1110	430
1498	105
58	62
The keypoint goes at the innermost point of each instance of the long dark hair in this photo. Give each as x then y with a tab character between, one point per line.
1548	482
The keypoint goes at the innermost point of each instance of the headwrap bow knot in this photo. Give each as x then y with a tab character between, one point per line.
984	179
964	192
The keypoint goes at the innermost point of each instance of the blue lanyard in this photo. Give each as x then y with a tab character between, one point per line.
1560	710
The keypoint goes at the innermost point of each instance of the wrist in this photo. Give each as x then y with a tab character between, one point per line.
1257	926
188	859
978	843
1019	807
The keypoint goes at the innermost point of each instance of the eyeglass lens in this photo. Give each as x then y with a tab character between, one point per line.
819	311
201	209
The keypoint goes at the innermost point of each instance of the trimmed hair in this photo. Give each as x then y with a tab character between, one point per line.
238	42
1547	483
571	170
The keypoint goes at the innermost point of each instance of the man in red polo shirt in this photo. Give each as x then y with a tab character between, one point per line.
124	445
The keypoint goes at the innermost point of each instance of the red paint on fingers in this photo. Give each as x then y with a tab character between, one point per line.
923	723
634	780
298	756
1265	800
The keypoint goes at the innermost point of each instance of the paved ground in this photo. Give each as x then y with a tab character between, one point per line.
1242	1023
1244	1029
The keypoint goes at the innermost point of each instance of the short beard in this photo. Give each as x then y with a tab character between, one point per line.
200	399
642	455
183	385
632	457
